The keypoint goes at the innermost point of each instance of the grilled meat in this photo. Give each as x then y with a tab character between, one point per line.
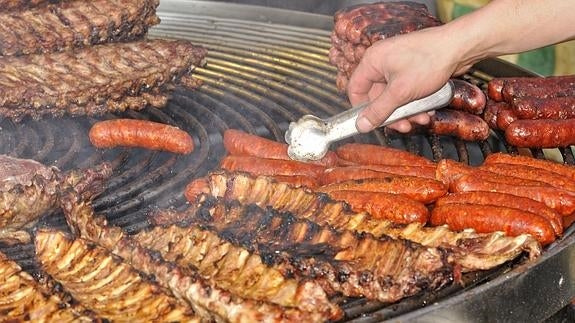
104	284
354	264
234	268
29	190
91	81
70	24
471	250
207	299
14	5
22	299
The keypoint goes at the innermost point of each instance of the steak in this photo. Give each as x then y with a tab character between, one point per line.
470	250
104	284
94	80
356	265
72	24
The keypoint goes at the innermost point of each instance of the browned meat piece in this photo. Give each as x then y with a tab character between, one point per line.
473	251
491	112
29	190
548	108
13	5
71	24
341	261
94	80
541	133
538	87
467	97
459	124
208	300
22	299
104	284
234	268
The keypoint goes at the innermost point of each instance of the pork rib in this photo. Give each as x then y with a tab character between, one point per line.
234	268
71	24
471	250
91	81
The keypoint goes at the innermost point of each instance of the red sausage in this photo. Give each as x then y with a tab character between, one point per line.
271	167
539	87
532	173
459	124
140	133
488	218
505	117
542	133
341	174
195	188
366	154
396	208
506	200
495	89
408	170
501	158
297	180
467	97
549	108
241	143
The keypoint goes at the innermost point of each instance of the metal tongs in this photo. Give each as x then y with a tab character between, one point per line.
309	137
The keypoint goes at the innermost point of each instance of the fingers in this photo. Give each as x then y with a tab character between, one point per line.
363	79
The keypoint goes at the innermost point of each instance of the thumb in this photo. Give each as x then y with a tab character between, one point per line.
381	108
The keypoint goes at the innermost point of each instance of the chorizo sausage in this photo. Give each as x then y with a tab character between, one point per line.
297	180
366	154
532	173
557	199
495	89
241	143
505	117
467	97
459	124
407	170
539	87
142	134
420	189
549	108
506	200
542	133
553	166
270	167
342	174
489	218
396	208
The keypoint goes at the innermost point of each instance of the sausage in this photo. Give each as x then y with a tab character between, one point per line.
396	208
142	134
542	133
407	170
506	200
467	97
341	174
539	87
271	167
505	117
495	89
420	189
549	108
557	199
241	143
532	173
552	166
491	110
459	124
366	154
297	180
489	218
195	188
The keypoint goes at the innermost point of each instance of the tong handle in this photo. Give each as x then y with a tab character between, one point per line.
342	125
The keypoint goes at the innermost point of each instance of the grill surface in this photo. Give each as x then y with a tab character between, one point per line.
260	76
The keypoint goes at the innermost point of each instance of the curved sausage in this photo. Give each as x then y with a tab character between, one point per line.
459	124
467	97
271	167
553	166
241	143
549	108
506	200
543	133
366	154
396	208
488	218
142	134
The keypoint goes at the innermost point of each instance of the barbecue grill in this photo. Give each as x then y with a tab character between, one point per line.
267	67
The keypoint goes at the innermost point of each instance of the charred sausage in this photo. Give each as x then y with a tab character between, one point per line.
543	133
396	208
491	111
140	133
241	143
505	117
467	97
488	218
366	154
506	200
501	158
459	124
539	87
270	167
549	108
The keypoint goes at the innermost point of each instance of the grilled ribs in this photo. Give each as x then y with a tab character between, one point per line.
14	5
29	190
71	24
91	81
356	265
207	299
470	250
234	268
104	284
22	299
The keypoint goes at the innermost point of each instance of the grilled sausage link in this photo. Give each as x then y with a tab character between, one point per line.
495	89
459	124
506	200
501	158
539	87
343	173
142	134
505	117
241	143
532	173
488	218
467	97
270	167
541	133
396	208
548	108
366	154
